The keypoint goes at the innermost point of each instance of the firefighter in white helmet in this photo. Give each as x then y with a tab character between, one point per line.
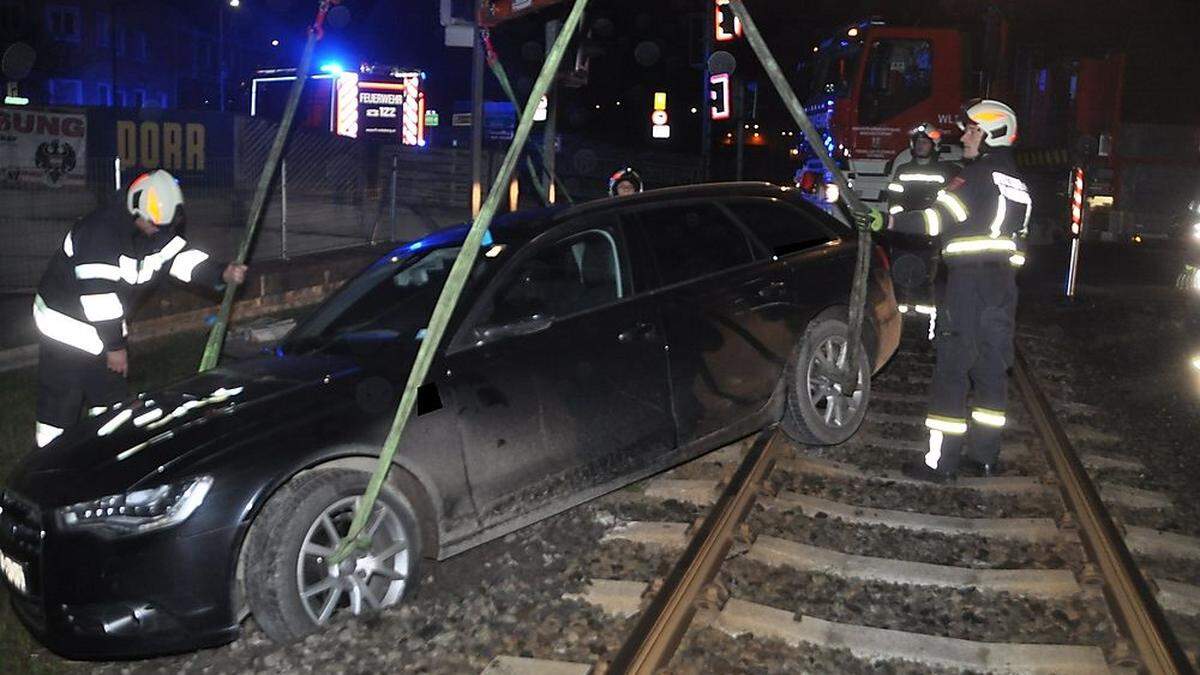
982	217
89	288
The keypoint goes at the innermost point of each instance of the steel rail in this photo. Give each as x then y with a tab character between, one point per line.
1129	596
666	619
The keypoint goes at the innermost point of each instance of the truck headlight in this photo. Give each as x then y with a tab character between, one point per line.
1196	232
140	510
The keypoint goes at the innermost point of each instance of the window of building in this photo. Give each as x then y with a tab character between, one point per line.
63	22
203	57
899	75
103	30
103	94
693	240
66	92
10	17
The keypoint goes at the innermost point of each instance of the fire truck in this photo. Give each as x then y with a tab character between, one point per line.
870	83
867	85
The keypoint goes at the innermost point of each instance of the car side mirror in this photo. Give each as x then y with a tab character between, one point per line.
530	326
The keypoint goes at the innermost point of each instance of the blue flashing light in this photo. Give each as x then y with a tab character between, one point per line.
332	68
487	238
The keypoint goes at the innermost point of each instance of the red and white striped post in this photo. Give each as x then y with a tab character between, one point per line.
1076	227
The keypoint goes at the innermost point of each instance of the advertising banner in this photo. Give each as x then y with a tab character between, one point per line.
42	147
186	143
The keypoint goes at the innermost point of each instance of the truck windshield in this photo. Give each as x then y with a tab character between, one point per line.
828	74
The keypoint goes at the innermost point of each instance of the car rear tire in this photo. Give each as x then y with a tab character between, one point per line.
292	589
816	411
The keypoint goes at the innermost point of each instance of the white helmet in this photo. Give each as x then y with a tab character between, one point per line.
998	121
154	196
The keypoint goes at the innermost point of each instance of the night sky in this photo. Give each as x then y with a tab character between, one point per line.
1158	36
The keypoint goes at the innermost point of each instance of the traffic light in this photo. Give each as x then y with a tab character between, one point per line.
718	94
659	118
728	26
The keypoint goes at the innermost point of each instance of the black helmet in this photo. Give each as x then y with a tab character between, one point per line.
626	174
925	130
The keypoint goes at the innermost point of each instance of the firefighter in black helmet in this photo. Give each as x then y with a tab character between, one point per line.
982	217
914	186
624	182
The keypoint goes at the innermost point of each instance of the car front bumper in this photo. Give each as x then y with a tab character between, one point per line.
87	597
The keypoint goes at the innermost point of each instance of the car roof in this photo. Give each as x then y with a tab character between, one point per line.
520	226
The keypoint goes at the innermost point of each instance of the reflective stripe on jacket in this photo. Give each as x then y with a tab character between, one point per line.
982	215
93	279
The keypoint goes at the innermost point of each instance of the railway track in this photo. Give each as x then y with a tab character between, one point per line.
775	557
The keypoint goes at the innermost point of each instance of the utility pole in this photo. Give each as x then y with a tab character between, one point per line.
221	52
477	119
739	96
706	37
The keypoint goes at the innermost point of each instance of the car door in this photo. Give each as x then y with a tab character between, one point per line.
717	302
803	275
566	383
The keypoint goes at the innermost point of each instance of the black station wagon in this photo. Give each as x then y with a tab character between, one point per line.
594	346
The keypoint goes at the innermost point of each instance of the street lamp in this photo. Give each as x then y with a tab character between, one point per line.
234	4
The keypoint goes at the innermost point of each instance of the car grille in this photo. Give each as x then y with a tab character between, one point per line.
21	536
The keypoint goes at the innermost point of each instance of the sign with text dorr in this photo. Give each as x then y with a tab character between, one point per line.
186	143
42	147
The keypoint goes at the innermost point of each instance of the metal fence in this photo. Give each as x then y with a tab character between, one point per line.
330	193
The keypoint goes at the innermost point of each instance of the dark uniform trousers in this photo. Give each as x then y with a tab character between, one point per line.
974	342
70	380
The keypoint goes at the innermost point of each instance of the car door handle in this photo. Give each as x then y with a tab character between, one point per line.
775	289
642	329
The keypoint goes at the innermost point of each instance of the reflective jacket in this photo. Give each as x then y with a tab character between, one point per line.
915	185
94	278
983	214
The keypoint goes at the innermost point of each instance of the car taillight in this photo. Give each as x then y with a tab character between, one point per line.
884	261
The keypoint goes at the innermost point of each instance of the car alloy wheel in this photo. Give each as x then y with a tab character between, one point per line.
371	579
837	408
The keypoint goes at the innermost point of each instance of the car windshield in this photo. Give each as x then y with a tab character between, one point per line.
393	299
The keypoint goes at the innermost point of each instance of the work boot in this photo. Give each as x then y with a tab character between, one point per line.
974	467
921	471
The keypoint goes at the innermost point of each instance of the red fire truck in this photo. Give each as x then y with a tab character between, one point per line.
870	83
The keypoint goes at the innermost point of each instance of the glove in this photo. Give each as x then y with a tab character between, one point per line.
871	219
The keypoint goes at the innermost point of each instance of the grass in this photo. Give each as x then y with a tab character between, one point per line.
152	364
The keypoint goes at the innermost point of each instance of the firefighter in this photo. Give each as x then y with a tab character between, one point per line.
90	285
624	182
982	217
915	184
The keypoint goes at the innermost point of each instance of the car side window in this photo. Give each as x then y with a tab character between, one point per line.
567	277
780	227
693	240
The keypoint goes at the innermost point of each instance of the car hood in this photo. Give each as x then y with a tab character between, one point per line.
144	436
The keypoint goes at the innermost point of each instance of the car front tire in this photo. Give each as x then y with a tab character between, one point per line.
291	586
818	412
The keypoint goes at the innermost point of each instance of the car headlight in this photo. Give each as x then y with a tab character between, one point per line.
1196	232
140	510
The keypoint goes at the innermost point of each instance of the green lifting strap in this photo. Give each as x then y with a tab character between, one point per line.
501	75
216	338
453	289
862	268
